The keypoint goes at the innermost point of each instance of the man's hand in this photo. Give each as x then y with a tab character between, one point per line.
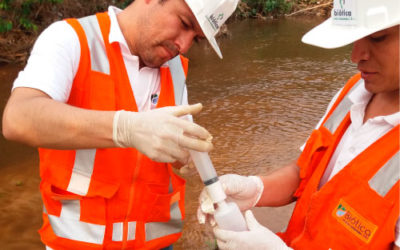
160	134
258	237
245	191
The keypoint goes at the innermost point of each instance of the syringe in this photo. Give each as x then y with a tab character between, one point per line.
227	215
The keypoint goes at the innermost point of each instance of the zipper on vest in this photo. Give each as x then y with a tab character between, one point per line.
130	201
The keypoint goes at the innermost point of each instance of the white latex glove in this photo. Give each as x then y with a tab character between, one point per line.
160	134
258	237
245	191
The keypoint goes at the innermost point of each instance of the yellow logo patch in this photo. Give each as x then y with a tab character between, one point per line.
354	222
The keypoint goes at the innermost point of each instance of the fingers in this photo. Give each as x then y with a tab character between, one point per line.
173	150
192	136
195	144
194	130
206	204
186	109
206	209
235	185
223	237
222	245
201	217
188	170
251	221
177	165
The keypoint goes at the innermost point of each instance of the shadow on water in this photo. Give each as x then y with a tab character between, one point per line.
260	103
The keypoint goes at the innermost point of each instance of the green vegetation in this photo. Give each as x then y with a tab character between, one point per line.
29	15
21	21
21	14
267	7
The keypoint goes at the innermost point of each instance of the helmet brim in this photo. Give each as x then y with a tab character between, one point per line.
205	26
329	36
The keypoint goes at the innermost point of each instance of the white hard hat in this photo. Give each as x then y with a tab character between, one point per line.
352	20
211	14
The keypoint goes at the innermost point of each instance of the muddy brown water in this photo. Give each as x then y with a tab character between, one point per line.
260	103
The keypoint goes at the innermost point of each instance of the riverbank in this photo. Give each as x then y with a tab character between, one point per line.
17	42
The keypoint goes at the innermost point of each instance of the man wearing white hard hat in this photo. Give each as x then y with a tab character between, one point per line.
346	179
93	97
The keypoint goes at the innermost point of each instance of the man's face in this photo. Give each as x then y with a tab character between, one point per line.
167	29
377	57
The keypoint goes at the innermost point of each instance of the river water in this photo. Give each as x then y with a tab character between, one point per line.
260	103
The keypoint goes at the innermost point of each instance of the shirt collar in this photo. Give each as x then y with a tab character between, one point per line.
361	96
115	31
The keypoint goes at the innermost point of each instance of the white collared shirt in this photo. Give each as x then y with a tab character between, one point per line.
55	57
358	136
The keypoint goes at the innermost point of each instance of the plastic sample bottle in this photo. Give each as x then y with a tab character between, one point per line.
227	215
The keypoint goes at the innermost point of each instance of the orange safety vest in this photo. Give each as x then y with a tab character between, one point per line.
356	209
113	198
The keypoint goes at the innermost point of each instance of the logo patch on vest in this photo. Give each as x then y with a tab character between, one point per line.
354	222
154	99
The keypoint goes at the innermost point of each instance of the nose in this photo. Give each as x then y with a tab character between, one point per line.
360	51
185	41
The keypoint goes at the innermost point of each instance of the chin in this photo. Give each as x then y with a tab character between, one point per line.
152	63
371	86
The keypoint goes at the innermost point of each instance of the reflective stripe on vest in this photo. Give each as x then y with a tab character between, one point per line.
387	176
341	111
153	229
98	54
100	63
69	226
118	229
84	159
343	208
82	171
156	230
178	78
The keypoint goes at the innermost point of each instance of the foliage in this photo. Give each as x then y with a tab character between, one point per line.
21	13
5	25
30	15
268	7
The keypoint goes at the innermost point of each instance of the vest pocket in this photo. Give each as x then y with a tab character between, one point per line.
156	206
367	214
351	211
70	206
311	156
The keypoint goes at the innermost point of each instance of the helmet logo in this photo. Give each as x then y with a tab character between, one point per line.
344	12
342	2
215	21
